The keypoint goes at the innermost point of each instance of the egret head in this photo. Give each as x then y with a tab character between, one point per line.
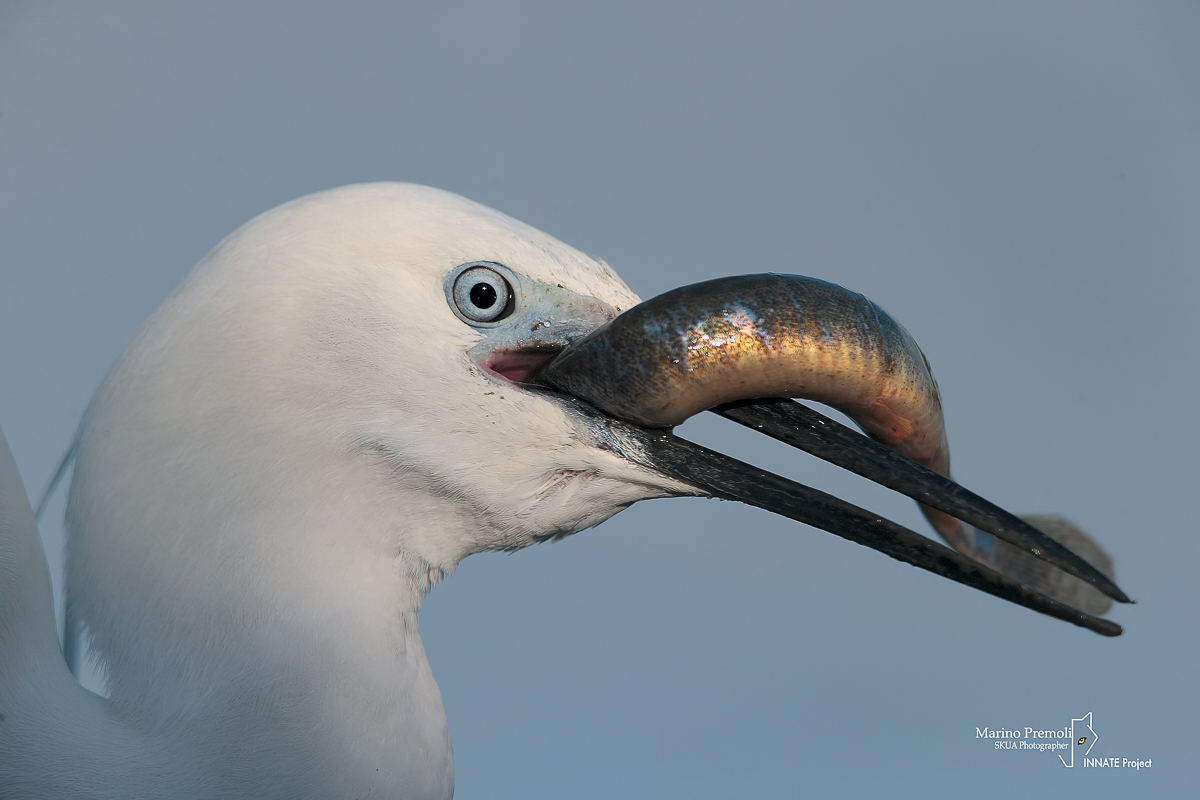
360	388
338	382
338	396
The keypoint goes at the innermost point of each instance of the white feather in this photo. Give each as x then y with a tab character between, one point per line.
290	453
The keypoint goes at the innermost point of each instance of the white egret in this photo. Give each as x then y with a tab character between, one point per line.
324	419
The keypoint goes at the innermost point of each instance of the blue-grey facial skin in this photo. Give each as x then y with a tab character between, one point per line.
541	316
1018	183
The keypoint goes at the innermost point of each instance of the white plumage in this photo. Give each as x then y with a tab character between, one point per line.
324	419
291	452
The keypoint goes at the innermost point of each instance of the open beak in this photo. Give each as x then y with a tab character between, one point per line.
725	345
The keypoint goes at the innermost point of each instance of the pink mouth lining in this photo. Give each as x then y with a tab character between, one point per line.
517	366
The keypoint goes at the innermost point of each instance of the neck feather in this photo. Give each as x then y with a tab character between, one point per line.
284	659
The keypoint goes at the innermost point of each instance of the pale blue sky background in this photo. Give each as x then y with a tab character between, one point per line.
1018	183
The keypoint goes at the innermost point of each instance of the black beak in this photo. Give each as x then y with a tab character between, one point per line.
727	478
807	429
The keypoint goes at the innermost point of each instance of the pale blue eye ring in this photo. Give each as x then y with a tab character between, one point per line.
482	294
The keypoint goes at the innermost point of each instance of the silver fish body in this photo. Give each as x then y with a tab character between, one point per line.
755	336
788	336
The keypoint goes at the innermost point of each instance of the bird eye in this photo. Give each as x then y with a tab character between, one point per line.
482	294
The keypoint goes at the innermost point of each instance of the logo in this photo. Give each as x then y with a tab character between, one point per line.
1079	735
1086	718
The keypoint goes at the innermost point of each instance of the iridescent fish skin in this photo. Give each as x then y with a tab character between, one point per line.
756	336
763	336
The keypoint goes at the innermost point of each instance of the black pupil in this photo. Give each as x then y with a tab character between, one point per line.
483	295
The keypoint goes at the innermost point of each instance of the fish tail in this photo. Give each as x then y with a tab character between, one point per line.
1035	573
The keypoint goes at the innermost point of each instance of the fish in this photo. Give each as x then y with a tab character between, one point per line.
746	345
